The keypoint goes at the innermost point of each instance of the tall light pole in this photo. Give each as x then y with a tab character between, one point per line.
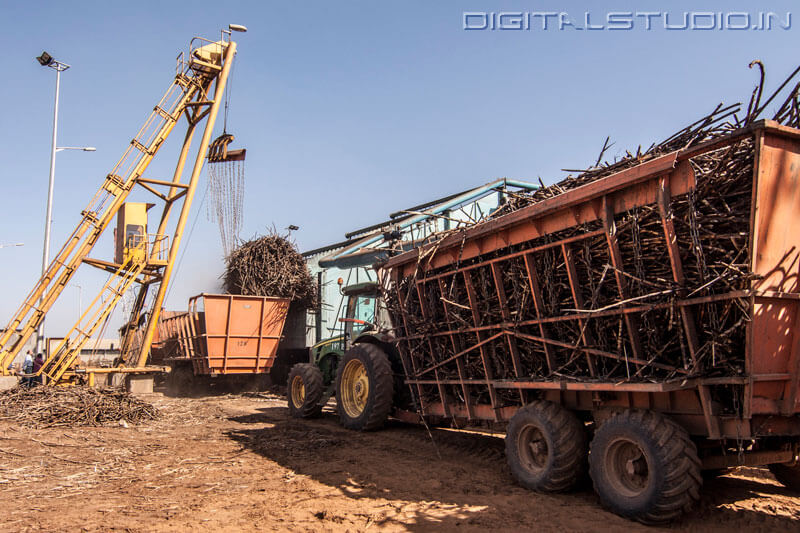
80	295
46	60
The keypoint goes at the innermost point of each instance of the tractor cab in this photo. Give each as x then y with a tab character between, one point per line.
362	319
360	309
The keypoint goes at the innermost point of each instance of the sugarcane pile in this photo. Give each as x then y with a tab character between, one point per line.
44	407
721	121
436	319
270	265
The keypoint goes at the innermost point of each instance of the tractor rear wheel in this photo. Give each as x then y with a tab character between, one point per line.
645	467
364	387
546	447
304	391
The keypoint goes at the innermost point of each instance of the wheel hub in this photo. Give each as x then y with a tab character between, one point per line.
354	388
634	467
298	391
627	467
533	448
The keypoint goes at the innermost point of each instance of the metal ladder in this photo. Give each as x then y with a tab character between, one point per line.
96	314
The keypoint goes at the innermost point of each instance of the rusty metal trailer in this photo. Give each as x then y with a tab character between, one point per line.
223	334
482	337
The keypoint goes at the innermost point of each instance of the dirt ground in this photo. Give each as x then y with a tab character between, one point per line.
239	463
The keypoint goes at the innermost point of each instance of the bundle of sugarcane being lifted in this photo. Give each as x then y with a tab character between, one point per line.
270	265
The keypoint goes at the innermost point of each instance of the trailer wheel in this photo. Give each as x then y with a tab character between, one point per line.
787	474
546	447
645	467
364	387
304	391
180	380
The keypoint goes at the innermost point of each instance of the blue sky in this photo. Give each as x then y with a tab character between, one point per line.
348	110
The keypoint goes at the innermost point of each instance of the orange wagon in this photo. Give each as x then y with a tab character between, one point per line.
225	334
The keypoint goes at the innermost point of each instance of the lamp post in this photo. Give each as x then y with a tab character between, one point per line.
84	148
46	60
80	295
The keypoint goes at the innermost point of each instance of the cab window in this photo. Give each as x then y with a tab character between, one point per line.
360	308
134	235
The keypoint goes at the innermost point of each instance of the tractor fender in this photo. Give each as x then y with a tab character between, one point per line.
385	343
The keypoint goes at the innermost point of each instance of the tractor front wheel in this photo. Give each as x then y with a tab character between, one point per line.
304	391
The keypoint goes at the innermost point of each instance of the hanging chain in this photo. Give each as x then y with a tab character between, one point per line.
226	188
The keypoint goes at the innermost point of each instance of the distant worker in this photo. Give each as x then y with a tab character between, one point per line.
27	369
37	365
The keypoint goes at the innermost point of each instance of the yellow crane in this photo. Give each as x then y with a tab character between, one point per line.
142	258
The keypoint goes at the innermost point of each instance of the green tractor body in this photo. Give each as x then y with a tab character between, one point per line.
374	369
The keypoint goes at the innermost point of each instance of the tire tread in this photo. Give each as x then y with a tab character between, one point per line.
380	405
569	446
675	450
315	389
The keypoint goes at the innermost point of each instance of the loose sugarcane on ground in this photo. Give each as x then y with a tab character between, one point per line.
45	407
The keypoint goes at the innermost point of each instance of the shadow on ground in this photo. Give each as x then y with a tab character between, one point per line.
462	480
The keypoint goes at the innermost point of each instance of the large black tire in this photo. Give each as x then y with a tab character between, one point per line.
645	467
364	388
181	380
787	474
546	447
304	391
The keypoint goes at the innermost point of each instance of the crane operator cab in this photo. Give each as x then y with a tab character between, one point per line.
131	239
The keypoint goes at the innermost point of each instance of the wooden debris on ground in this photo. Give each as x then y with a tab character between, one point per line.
45	407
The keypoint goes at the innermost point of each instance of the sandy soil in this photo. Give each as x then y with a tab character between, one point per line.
239	463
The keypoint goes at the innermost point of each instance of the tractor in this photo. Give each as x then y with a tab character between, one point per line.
348	366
